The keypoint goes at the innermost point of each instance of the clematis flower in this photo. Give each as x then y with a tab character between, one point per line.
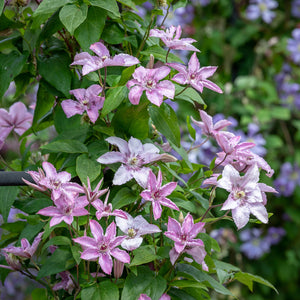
171	38
135	228
156	193
185	242
103	59
245	195
261	8
37	177
91	196
194	75
66	282
17	119
133	155
65	209
105	209
58	183
149	80
26	250
101	247
207	126
87	100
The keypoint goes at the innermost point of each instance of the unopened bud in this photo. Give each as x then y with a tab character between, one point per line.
13	261
181	217
118	268
150	64
165	157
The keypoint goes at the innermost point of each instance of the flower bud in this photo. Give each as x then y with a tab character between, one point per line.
118	268
12	261
181	217
165	157
151	62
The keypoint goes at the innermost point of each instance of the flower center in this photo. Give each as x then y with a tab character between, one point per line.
183	237
104	57
239	195
134	162
103	247
263	7
150	84
193	76
85	102
131	232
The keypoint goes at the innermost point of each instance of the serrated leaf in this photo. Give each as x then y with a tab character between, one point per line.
165	120
90	30
113	99
67	146
8	195
85	167
110	6
248	279
73	15
143	255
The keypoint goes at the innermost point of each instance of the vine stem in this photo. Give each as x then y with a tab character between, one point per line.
146	35
181	91
167	13
198	146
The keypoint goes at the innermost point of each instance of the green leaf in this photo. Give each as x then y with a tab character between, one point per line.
1	6
132	120
31	231
10	66
8	196
191	129
204	202
67	146
76	252
44	104
108	291
113	34
73	15
181	151
31	206
189	95
165	120
128	3
58	241
39	294
46	9
59	261
248	279
123	198
160	54
143	255
188	283
144	283
56	70
86	167
90	30
110	6
114	98
190	272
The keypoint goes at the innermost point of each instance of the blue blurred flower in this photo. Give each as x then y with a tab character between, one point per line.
295	10
288	179
293	45
275	235
261	8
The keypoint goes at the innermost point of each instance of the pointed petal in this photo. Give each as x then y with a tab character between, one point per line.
105	261
96	230
120	255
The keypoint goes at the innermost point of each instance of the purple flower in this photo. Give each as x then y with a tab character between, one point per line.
295	9
261	8
163	297
133	155
156	193
254	245
288	179
96	193
26	250
171	38
245	195
103	59
207	126
87	100
105	209
194	75
293	45
185	242
65	209
275	235
149	80
66	282
101	247
134	228
17	119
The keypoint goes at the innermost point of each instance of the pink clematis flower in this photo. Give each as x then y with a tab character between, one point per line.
171	38
133	155
59	183
65	209
17	119
103	59
101	247
135	228
149	80
208	128
185	242
87	100
156	193
146	297
66	282
37	177
105	209
194	75
246	195
26	250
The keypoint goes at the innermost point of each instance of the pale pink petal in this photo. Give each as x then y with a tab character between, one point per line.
96	230
161	73
212	86
105	261
111	158
173	255
155	96
167	189
135	94
120	143
167	88
111	231
86	242
259	211
120	255
90	254
122	175
157	210
241	216
99	49
193	65
168	203
180	78
71	108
